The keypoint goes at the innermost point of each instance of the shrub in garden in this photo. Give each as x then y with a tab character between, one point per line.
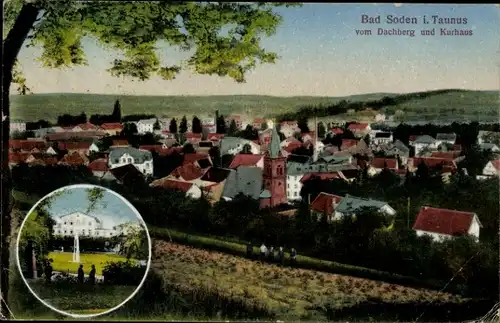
122	273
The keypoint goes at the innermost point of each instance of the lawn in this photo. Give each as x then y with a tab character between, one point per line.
63	261
289	293
82	299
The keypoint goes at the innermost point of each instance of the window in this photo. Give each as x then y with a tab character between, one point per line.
129	160
71	232
117	160
71	223
90	224
65	231
147	165
65	223
288	185
296	186
295	194
144	171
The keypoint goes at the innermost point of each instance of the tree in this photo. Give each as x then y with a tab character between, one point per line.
233	128
117	112
183	127
321	130
221	124
302	124
214	153
264	125
196	125
172	128
133	28
189	149
157	125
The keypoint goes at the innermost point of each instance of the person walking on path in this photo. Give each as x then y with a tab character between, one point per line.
81	275
293	256
92	275
249	250
48	271
281	256
263	252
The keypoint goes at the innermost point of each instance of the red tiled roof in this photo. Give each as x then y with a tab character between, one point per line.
112	126
120	142
191	135
27	145
391	163
73	145
433	162
323	203
171	150
245	160
496	164
72	159
321	175
259	120
192	158
176	185
87	126
337	131
99	165
189	172
292	146
347	143
17	158
215	136
156	148
446	154
358	126
449	222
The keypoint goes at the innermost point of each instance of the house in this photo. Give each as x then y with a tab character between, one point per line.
100	169
237	119
444	164
453	155
145	125
17	158
381	137
380	117
378	164
215	137
492	168
247	160
347	144
82	135
201	160
17	126
257	123
192	138
336	131
360	129
127	174
490	137
265	136
83	224
350	205
441	224
74	159
243	180
27	145
209	125
422	142
93	148
112	128
324	205
42	132
289	128
394	150
119	143
290	141
489	146
78	146
449	138
141	159
51	151
314	175
234	145
190	189
188	172
87	126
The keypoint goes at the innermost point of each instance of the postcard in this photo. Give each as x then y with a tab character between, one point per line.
250	161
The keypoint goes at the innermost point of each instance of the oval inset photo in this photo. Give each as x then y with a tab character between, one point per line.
83	250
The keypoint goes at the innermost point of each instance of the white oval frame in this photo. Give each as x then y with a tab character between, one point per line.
126	202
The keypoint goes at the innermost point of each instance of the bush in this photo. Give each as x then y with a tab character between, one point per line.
123	273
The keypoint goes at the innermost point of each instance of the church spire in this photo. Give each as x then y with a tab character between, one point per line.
274	148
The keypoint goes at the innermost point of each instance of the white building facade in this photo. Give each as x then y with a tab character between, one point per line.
82	224
141	159
17	126
145	126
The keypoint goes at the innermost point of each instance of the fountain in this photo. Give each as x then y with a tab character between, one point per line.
76	249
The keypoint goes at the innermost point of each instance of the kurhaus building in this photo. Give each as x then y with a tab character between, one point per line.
83	225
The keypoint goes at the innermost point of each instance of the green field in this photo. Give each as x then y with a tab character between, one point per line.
82	299
473	104
63	261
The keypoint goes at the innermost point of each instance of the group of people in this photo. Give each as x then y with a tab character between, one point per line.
81	275
48	271
272	254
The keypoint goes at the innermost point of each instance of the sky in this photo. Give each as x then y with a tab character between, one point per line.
320	55
110	210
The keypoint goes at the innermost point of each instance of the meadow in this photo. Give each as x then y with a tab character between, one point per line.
469	104
82	299
63	261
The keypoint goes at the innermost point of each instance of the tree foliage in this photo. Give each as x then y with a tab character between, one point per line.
196	125
183	127
173	126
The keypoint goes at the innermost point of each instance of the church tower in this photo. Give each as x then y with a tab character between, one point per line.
274	175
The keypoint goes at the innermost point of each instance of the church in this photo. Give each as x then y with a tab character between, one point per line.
274	175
